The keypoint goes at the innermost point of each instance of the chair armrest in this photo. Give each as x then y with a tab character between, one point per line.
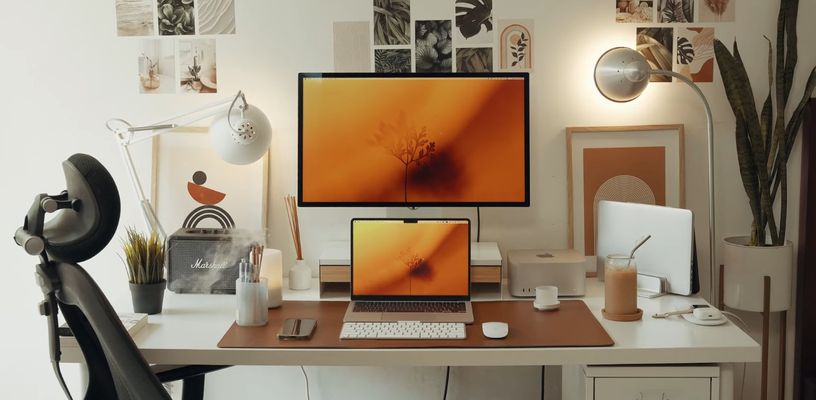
170	373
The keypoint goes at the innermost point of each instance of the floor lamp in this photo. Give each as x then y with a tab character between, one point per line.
240	134
621	75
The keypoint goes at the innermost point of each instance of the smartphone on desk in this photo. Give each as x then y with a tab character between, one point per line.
297	328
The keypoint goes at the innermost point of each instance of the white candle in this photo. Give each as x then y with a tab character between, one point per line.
272	270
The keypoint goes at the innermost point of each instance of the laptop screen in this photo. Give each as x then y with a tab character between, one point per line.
410	259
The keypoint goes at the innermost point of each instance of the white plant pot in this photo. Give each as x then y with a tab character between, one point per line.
300	276
745	269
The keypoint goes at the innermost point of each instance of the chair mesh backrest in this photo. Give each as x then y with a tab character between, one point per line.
86	308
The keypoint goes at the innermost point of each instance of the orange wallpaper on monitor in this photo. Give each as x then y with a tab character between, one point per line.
422	259
392	140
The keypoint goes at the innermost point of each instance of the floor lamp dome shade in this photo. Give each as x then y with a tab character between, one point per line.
622	74
241	136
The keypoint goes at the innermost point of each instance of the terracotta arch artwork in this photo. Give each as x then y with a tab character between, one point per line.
639	164
624	188
516	50
208	210
192	187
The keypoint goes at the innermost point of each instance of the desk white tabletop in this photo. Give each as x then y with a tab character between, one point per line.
190	326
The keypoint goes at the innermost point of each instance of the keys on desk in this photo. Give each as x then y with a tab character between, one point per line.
403	330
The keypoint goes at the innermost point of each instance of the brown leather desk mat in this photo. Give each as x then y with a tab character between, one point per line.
573	325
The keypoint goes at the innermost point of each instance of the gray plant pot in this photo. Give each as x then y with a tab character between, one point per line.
148	298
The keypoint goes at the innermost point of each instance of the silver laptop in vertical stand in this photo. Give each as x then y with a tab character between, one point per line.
668	255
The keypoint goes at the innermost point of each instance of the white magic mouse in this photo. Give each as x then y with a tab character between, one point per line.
495	330
707	313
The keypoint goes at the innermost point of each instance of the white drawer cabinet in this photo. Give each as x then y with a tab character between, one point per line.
652	388
642	383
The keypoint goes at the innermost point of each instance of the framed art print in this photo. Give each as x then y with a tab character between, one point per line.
193	188
639	164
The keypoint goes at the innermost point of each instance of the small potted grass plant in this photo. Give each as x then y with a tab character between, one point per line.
144	259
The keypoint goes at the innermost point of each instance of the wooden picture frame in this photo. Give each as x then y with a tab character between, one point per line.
224	192
624	163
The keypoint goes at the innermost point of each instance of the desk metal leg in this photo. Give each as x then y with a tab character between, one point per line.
193	388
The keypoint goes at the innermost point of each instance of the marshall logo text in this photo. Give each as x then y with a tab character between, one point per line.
201	264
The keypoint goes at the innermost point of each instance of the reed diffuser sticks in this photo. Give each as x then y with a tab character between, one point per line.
294	223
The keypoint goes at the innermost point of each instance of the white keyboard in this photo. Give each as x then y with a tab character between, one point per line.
403	330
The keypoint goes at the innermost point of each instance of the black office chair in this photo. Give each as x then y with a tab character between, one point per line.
87	215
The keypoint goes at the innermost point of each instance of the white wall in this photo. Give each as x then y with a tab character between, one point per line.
65	72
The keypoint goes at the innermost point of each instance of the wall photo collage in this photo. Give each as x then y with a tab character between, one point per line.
681	35
463	39
172	57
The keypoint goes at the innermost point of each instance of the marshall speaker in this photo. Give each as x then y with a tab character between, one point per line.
205	260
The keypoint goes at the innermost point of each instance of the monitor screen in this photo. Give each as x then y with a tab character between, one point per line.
410	258
414	140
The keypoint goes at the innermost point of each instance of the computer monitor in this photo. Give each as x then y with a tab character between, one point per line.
410	259
414	140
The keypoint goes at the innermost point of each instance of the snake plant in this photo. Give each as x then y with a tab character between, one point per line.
764	138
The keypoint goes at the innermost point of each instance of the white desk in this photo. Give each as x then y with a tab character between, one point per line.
189	328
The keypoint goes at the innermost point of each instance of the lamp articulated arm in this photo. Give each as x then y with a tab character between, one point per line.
241	139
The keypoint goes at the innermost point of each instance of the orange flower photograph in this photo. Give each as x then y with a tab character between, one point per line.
410	259
413	140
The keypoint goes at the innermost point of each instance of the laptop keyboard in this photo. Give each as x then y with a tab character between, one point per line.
411	306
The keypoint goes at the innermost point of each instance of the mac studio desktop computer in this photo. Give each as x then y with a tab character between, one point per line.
414	143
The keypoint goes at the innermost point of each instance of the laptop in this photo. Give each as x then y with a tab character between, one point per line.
410	270
669	254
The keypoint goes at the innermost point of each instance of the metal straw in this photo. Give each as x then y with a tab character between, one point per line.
632	254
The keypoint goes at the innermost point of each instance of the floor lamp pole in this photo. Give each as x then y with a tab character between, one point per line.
711	201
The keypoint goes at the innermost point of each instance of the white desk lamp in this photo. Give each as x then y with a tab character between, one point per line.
239	134
621	75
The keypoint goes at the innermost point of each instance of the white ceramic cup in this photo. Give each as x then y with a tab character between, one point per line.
546	295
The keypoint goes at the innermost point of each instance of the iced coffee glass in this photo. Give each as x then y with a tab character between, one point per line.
620	288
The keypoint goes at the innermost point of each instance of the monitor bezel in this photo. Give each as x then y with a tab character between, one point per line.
402	297
413	204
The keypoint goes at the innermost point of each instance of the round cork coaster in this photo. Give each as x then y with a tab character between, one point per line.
623	317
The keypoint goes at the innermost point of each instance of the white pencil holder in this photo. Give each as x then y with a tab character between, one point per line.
251	303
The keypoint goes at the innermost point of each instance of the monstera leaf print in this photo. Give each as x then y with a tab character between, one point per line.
471	15
685	51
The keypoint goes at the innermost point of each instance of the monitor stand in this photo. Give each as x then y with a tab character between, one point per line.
406	212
